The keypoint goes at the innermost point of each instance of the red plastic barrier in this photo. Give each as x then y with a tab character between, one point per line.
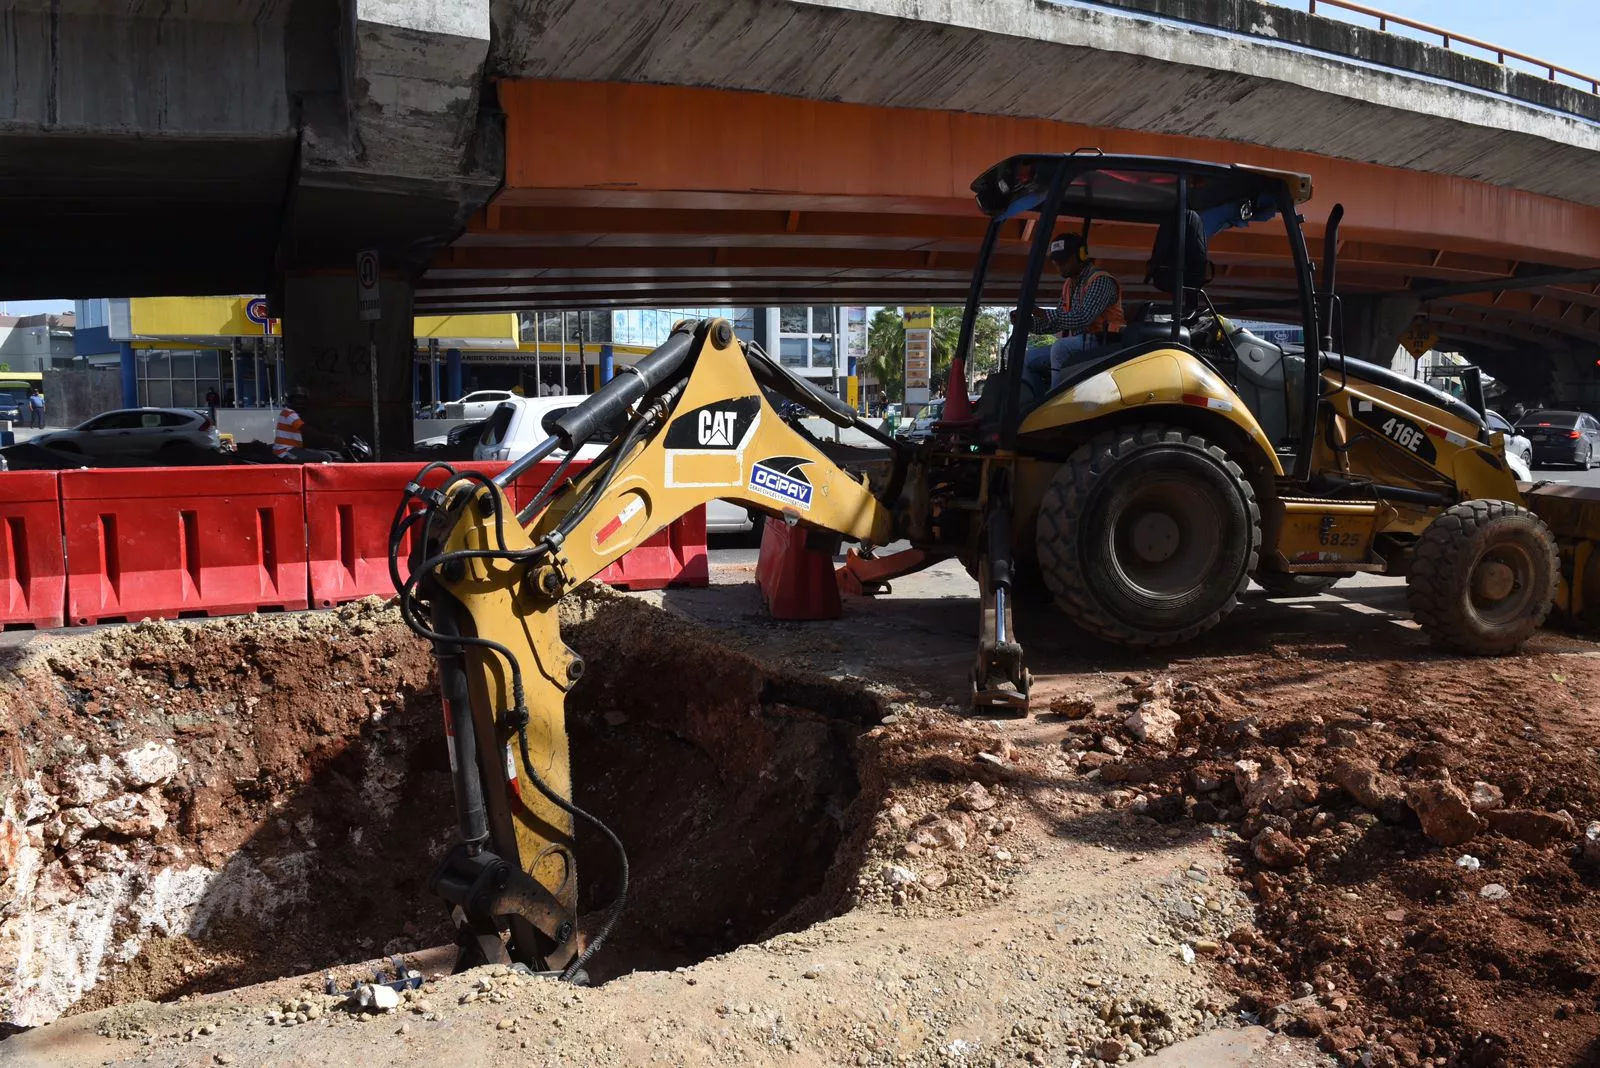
33	569
349	510
350	507
673	556
796	582
168	542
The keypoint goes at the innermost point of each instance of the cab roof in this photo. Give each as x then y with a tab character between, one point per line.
1130	188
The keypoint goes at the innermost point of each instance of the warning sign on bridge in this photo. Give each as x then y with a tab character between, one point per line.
368	307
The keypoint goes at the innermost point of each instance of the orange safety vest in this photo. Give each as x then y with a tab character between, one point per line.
288	436
1112	319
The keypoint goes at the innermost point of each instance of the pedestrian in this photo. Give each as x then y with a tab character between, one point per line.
212	400
35	408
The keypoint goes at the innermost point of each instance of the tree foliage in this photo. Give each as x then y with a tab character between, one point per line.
886	346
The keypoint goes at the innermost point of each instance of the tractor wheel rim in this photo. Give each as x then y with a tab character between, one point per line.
1166	537
1500	588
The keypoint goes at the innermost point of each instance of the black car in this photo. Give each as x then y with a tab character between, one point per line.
1561	437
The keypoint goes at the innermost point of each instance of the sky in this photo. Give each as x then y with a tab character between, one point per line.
1560	31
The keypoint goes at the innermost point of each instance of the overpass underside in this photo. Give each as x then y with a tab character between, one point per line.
620	194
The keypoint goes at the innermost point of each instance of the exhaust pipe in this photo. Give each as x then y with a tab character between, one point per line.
1330	261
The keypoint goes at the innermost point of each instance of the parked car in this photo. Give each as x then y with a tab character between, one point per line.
135	431
1517	444
479	405
520	424
921	428
11	407
464	436
1562	437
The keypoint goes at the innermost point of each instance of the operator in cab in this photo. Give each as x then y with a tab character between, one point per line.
290	441
1090	312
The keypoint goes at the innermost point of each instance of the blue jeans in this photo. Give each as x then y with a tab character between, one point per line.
1047	364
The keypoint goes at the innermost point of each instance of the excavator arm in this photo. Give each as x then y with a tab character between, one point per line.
487	581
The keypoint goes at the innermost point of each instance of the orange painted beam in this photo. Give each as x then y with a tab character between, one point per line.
614	144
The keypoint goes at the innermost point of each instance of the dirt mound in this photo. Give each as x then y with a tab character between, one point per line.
1411	834
195	806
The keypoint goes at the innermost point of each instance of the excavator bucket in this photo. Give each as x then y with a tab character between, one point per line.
1573	515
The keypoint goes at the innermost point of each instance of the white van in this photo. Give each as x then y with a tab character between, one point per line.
521	423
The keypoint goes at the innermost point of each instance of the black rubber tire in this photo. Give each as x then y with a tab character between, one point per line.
1440	588
1077	537
1287	584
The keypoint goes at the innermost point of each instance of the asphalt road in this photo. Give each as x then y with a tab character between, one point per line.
1567	475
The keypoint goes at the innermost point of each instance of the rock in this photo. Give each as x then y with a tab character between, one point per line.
1275	849
1156	688
1494	892
1531	826
1485	797
1108	744
133	815
1206	779
934	878
151	764
1154	723
1343	738
506	1023
223	1058
1284	1016
88	783
1365	784
899	818
975	798
939	832
368	998
1268	787
1073	706
1110	1049
1207	946
992	758
1591	844
1240	731
1090	761
895	875
1445	812
1469	862
1343	1038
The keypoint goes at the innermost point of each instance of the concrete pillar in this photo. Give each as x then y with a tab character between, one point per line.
1372	325
326	351
129	366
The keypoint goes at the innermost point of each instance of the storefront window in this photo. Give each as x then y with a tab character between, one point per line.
792	351
792	320
822	353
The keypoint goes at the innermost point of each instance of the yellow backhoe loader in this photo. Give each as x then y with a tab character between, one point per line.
1142	483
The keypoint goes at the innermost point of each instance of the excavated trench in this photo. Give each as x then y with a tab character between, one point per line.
199	806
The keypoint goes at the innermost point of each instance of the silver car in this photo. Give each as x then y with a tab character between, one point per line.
135	432
1517	444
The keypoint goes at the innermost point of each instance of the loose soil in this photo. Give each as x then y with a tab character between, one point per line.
817	886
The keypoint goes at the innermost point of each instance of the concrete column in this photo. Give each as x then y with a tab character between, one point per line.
1372	325
129	366
326	351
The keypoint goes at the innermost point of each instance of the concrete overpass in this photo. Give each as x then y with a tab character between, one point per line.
744	150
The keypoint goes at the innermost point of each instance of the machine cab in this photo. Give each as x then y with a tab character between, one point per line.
1180	243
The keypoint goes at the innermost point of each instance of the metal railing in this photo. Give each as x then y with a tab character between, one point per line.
1448	37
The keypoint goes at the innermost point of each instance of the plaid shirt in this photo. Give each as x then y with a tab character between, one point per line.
1092	296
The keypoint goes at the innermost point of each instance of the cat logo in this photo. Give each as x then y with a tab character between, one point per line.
720	427
716	427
